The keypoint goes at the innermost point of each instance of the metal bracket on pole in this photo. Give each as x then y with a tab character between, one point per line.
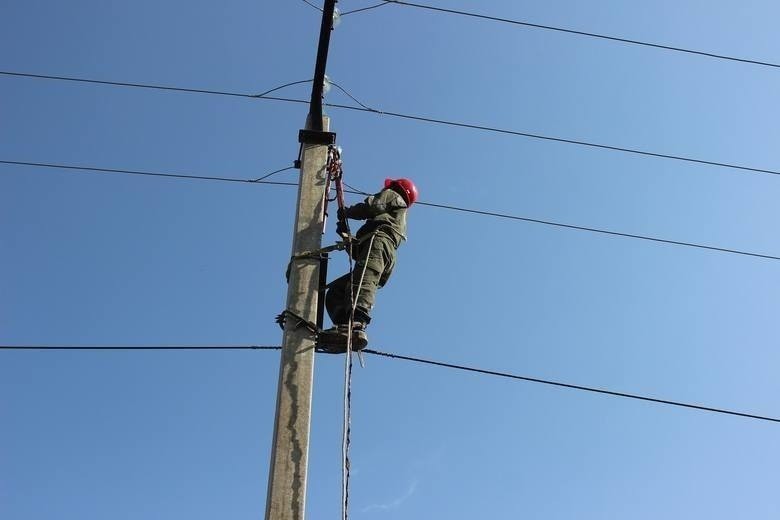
315	137
338	246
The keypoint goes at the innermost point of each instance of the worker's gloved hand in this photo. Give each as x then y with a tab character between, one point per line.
341	214
341	228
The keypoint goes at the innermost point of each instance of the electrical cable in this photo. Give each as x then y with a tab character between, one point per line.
419	119
554	139
356	191
350	96
280	87
602	231
465	368
571	386
419	203
365	108
312	5
582	33
158	87
365	8
156	174
267	175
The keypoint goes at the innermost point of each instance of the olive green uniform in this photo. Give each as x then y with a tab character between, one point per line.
385	215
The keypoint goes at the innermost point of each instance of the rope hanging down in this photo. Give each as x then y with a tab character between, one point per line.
335	175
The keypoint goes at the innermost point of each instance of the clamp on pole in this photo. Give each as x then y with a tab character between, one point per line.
281	319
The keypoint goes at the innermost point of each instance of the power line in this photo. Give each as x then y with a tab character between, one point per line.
267	175
312	5
423	119
280	87
573	387
365	108
581	33
420	203
555	139
580	228
365	8
597	230
161	87
414	360
156	174
353	98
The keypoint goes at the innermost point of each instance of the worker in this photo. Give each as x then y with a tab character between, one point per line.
374	251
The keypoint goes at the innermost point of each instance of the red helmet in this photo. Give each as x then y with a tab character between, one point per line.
407	188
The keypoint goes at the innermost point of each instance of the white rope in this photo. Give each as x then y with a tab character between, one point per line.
348	377
345	434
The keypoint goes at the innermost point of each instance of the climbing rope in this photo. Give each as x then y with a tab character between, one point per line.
335	176
347	425
348	376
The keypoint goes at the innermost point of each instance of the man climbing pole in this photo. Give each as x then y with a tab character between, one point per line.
374	251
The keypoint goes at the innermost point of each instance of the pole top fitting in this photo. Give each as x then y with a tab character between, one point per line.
315	137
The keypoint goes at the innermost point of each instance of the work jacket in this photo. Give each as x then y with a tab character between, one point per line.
385	212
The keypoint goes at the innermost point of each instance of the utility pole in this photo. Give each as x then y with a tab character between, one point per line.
290	451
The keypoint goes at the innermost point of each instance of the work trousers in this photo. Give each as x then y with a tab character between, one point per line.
378	261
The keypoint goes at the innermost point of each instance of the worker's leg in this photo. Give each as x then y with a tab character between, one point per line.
337	303
366	293
337	300
378	265
371	271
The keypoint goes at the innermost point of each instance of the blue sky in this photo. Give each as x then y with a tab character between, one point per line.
103	259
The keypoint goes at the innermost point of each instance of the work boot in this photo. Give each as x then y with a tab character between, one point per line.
359	336
334	339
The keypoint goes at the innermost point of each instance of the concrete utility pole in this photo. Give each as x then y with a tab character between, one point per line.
289	457
290	452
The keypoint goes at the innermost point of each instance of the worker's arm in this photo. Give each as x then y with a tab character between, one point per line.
382	202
